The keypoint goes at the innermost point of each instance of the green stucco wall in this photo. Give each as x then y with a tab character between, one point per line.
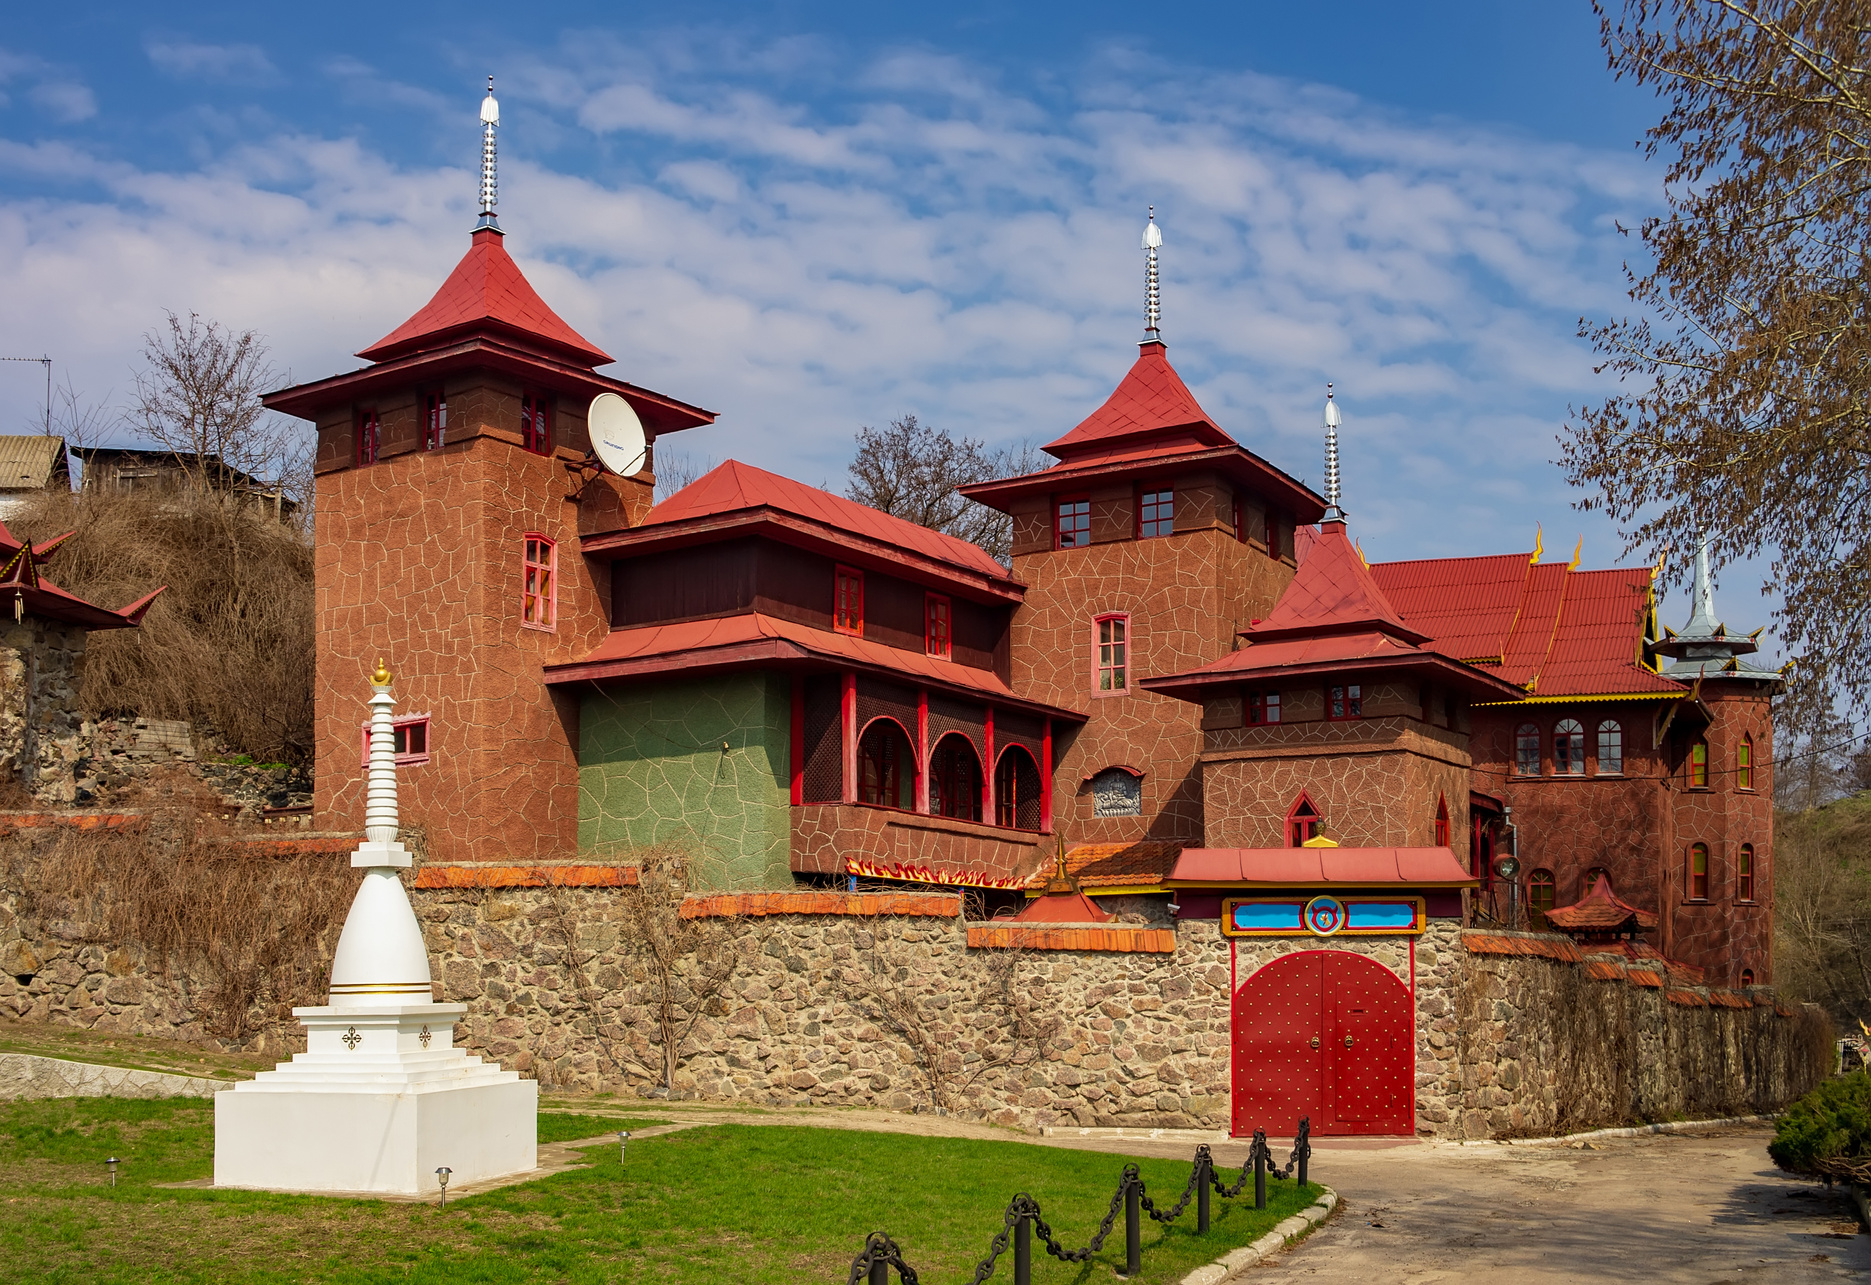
651	770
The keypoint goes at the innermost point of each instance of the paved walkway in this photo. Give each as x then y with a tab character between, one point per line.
1705	1208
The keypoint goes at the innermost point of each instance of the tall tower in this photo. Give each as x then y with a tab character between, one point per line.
454	480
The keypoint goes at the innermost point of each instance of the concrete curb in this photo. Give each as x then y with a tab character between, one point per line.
1236	1261
1635	1131
27	1075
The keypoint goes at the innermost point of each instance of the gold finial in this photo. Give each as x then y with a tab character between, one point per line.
1539	544
382	677
1577	553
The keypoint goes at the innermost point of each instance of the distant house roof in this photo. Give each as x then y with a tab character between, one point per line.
488	292
102	461
32	461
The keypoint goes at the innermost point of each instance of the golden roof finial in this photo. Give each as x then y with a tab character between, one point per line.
382	677
1539	545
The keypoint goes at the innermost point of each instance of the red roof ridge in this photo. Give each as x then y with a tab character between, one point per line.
1333	591
486	290
1151	398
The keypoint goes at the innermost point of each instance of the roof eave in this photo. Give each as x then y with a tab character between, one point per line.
1191	685
1295	496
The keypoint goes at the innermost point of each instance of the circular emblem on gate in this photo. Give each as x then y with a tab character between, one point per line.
1324	916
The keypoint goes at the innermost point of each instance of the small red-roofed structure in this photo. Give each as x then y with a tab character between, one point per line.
1601	916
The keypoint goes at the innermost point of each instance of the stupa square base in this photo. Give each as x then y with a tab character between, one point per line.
344	1140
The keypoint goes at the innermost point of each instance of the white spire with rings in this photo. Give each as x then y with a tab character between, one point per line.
1332	511
490	123
1152	288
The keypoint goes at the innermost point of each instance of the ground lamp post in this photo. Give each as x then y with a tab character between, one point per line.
113	1162
441	1178
381	1093
623	1141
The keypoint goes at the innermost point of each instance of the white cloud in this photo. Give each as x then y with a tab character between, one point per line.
192	60
66	101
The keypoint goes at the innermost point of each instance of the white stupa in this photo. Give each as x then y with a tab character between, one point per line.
381	1097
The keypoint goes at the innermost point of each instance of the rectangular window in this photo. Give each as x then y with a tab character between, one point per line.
1263	707
369	436
1275	546
1344	702
848	602
1156	514
434	421
1072	523
1527	750
1744	764
539	583
536	423
1699	766
1698	872
1240	521
1113	653
408	736
936	625
1744	873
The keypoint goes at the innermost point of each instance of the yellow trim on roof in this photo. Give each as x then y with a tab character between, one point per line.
1606	696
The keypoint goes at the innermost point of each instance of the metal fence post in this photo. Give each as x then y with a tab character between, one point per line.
1133	1229
1260	1170
1023	1251
880	1270
1305	1147
1206	1180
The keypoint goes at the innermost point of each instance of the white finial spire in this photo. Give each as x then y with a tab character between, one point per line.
1332	511
490	122
1152	289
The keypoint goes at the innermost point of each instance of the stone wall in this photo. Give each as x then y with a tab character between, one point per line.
42	739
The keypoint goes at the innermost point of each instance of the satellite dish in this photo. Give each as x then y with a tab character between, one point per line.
617	435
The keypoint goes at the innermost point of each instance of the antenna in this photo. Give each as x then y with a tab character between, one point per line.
490	123
1152	288
1332	511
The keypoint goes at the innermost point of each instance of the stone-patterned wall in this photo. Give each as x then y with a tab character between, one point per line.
825	834
701	763
42	734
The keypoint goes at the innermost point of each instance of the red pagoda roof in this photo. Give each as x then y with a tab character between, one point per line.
1332	592
736	487
486	291
1062	905
1362	867
19	576
1601	910
1150	400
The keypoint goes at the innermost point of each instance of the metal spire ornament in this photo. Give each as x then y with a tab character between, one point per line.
490	123
1152	288
1332	512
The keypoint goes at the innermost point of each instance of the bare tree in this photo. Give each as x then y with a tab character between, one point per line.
1822	907
1744	406
911	471
198	397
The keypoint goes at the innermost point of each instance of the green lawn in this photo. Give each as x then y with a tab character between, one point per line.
753	1203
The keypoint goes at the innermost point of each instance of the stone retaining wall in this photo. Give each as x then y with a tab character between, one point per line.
25	1075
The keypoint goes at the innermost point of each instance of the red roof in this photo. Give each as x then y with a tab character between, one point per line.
1151	399
1543	626
1314	866
1600	910
1064	906
20	577
1332	592
735	486
754	637
486	290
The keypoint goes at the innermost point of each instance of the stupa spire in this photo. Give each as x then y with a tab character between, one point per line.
1152	284
1332	512
490	125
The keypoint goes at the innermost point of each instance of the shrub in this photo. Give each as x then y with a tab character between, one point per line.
1827	1133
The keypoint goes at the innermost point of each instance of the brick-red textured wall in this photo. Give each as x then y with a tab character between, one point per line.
418	561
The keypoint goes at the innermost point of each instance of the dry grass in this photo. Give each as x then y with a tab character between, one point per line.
229	644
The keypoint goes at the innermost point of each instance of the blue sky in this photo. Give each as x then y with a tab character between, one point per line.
813	216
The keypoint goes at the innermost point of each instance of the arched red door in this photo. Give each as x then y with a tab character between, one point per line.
1326	1034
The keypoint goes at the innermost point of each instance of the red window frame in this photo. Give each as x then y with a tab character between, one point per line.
1698	872
1442	821
536	423
1303	821
1071	522
1111	653
1744	873
539	582
1569	747
848	601
1261	708
434	420
412	728
1699	766
1156	513
369	436
1610	738
1744	763
1240	521
938	626
1344	702
1527	750
1747	977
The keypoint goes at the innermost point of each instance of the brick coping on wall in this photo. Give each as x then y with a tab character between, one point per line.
557	876
723	904
1612	968
1104	937
72	820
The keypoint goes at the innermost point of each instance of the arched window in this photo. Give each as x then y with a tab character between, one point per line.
1744	764
1610	748
886	766
1699	766
1592	877
1568	748
1698	872
955	779
1527	750
1303	822
1016	790
1540	887
1744	873
1747	977
1442	822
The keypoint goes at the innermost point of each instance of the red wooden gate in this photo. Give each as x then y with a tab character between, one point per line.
1326	1034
